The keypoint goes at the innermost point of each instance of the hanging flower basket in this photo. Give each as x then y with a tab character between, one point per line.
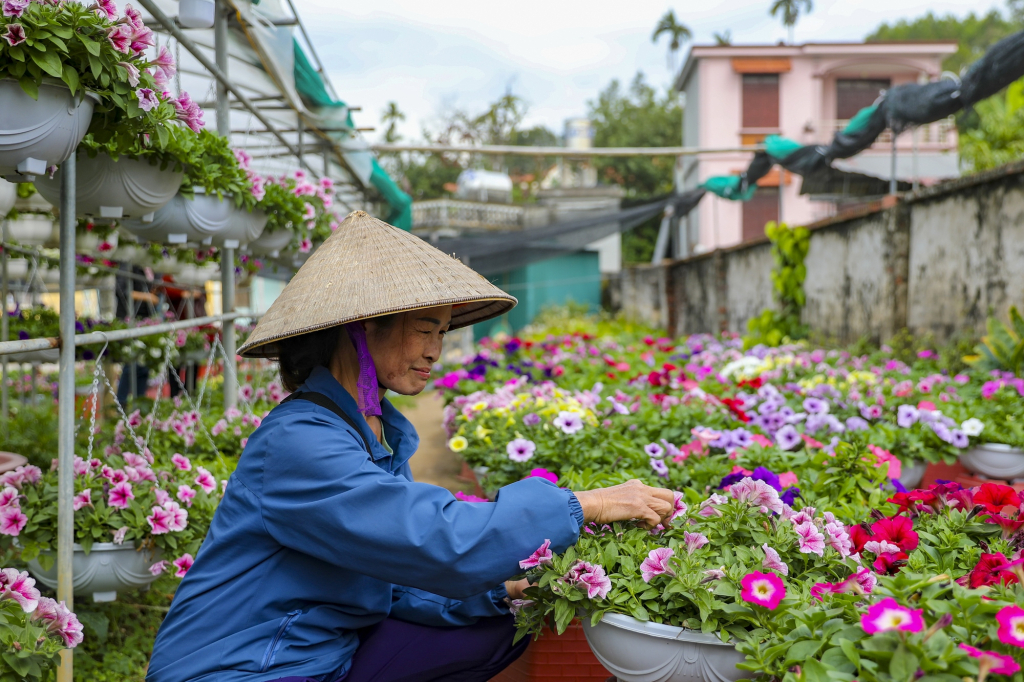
201	219
37	134
29	229
196	13
129	252
94	245
197	275
270	243
17	269
106	570
8	195
125	188
635	651
994	460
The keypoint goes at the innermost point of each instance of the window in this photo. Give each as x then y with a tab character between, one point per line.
853	94
762	208
761	100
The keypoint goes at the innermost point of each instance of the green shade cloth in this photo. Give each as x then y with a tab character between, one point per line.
779	147
311	87
728	187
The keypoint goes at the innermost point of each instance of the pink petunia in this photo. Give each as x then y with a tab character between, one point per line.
12	520
543	473
205	480
82	499
757	493
679	507
105	8
120	37
119	535
147	99
121	495
185	494
164	63
540	557
183	563
14	35
694	541
707	507
181	461
133	18
788	479
58	620
158	568
20	587
133	74
888	615
9	497
593	578
763	589
810	540
1011	625
520	449
14	8
656	563
178	519
772	560
159	521
991	661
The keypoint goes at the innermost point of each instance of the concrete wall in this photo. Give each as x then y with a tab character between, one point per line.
939	261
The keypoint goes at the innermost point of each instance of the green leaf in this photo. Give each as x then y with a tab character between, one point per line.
29	85
850	650
90	45
70	76
813	671
803	650
904	665
20	665
49	62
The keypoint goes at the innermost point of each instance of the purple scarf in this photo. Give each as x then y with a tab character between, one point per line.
367	398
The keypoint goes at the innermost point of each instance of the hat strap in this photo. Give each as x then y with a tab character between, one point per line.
367	397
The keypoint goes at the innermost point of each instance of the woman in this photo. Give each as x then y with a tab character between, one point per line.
325	561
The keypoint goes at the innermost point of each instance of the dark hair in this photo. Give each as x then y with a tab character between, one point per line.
299	355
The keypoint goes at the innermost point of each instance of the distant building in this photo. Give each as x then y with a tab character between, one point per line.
735	95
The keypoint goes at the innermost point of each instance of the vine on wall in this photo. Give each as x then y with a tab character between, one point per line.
789	249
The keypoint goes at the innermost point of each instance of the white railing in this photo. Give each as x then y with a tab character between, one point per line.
466	214
938	134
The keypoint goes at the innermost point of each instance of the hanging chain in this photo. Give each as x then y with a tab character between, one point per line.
164	369
95	393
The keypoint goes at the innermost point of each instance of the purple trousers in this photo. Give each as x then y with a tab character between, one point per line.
396	651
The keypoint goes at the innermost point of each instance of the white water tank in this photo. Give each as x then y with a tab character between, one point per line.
579	133
482	185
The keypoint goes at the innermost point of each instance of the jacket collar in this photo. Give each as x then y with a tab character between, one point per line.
399	431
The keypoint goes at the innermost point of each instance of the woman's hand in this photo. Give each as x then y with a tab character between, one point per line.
515	588
627	501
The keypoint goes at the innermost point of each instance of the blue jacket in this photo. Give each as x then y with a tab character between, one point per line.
315	539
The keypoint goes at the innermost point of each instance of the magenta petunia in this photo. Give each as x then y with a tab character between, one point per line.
679	507
992	661
159	521
58	620
205	480
1011	625
810	540
183	563
185	494
888	615
9	497
14	35
15	8
82	499
540	557
181	462
763	589
19	587
121	495
543	473
120	37
656	564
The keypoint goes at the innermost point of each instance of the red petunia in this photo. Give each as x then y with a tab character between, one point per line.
736	408
859	535
904	500
994	497
889	563
899	530
991	569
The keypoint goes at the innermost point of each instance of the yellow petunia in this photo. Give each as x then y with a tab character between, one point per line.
458	444
482	433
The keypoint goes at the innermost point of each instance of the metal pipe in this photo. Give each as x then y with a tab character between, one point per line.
95	338
892	165
186	42
299	128
66	404
227	298
563	151
220	49
5	331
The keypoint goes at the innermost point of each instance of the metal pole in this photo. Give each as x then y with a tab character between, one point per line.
4	335
227	297
892	165
299	129
66	404
220	46
914	158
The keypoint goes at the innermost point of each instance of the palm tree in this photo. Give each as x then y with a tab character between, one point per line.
790	11
391	116
723	38
678	34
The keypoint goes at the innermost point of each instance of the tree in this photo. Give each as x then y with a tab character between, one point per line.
790	12
390	118
677	33
723	38
998	136
637	116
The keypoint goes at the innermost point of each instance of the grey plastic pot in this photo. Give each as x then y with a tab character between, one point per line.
106	570
912	474
203	219
38	133
29	229
8	195
635	651
270	243
994	460
126	188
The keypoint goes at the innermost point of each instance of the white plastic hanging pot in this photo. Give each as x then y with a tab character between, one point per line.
17	269
126	188
50	275
204	219
635	651
90	244
196	13
29	229
106	570
8	195
245	227
994	460
270	243
129	252
197	275
36	134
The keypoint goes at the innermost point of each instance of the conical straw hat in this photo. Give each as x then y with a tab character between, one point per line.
369	268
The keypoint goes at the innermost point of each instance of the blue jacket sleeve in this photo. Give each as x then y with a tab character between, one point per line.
418	606
323	496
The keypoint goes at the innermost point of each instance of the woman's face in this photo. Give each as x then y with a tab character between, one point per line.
405	351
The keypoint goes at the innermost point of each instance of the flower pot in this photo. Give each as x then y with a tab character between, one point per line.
126	188
270	243
29	229
129	252
10	461
203	219
169	265
556	658
912	473
635	651
107	569
17	269
36	134
8	195
50	275
196	13
197	275
89	243
994	460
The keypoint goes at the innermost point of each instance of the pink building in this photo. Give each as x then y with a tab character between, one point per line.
735	95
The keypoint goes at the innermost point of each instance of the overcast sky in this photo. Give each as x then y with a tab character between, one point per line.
556	54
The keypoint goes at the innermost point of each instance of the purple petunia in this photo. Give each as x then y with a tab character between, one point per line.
816	405
787	437
906	416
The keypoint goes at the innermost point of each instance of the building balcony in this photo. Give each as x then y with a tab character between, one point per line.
937	136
